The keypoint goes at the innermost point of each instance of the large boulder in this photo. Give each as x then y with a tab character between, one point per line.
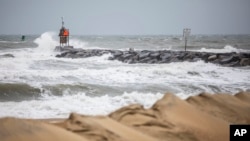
143	55
245	61
212	57
165	56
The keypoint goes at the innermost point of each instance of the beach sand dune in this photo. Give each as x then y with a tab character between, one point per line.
13	129
205	117
233	109
175	119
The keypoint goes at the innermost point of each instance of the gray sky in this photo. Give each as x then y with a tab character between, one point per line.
84	17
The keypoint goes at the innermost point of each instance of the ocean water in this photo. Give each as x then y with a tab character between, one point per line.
36	84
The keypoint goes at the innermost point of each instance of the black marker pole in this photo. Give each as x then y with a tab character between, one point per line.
186	33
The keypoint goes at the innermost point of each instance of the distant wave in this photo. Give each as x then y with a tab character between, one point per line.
226	49
18	92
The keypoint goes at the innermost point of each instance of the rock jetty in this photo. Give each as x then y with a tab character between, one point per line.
232	59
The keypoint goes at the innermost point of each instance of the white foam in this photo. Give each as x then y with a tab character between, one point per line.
162	73
13	42
101	71
46	44
61	107
76	43
226	49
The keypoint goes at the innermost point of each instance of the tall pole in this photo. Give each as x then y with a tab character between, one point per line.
68	39
62	22
185	44
186	33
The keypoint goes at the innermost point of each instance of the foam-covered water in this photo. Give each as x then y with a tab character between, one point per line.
36	84
51	106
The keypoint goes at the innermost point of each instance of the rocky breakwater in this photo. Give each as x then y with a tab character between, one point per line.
131	56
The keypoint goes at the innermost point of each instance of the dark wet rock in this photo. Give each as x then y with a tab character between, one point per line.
175	59
117	53
188	56
165	56
155	54
204	55
130	61
62	54
245	62
161	56
226	59
234	58
216	61
143	55
233	64
212	57
152	61
145	60
125	56
245	55
81	53
195	59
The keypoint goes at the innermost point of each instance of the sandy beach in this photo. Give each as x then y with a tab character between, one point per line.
204	117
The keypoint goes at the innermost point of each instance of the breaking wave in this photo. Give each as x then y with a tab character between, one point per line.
226	49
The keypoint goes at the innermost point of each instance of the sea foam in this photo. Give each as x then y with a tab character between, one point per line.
226	49
61	107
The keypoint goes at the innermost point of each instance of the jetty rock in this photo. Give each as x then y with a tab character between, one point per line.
232	59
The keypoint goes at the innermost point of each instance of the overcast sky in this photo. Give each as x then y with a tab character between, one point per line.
84	17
